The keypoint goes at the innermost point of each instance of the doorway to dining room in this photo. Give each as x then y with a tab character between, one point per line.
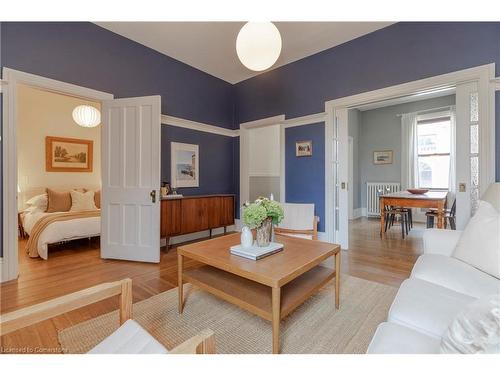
440	140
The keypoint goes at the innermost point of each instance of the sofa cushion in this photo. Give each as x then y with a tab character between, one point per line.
129	338
476	329
479	244
391	338
455	274
426	307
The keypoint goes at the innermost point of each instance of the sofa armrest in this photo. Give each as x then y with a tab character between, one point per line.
440	241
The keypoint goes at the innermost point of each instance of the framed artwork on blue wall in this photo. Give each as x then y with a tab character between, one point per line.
303	148
185	165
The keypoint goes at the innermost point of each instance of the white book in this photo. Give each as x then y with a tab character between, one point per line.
255	252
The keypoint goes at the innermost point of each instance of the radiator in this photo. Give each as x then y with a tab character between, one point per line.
372	189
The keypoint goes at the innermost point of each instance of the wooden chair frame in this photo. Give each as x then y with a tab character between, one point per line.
203	343
311	232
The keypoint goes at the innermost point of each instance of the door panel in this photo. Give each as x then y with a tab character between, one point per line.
215	212
227	211
131	172
170	218
467	153
194	215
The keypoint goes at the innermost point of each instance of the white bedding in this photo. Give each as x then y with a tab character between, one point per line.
60	230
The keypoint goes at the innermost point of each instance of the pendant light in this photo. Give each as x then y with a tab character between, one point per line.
258	45
87	116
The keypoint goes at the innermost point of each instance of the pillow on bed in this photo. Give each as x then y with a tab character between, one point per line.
58	201
82	201
38	201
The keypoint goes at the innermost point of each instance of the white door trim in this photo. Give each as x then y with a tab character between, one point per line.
244	150
11	78
484	75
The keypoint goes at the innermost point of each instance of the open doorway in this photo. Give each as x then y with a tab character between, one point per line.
58	174
387	159
474	148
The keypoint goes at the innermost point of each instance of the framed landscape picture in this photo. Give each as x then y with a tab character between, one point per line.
184	165
68	154
382	157
303	148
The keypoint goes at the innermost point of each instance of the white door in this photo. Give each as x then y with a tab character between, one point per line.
341	178
350	186
467	151
130	206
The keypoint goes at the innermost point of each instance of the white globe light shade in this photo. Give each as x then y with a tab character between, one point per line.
87	116
258	45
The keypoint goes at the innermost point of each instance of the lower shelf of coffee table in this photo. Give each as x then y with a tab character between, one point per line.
256	297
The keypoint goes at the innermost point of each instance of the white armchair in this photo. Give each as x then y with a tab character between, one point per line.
129	338
299	221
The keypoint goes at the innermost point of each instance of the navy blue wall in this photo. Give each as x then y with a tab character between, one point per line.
216	159
399	53
305	176
85	54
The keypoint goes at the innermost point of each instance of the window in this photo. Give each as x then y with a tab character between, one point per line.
433	153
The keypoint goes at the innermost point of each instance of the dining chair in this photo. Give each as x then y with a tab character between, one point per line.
299	221
129	338
391	213
449	216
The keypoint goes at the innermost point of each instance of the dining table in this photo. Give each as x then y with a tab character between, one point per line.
431	199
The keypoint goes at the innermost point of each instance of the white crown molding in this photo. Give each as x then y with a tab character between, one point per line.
305	120
198	126
274	120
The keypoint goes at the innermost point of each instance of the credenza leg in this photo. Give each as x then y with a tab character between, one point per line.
276	306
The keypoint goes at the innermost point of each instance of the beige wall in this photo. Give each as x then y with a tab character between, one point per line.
40	114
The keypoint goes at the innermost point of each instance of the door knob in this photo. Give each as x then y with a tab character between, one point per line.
153	196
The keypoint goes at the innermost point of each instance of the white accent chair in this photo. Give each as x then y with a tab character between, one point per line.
129	338
439	287
299	221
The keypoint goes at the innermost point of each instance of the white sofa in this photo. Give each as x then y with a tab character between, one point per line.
439	287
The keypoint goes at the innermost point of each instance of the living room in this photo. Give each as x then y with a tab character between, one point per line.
285	187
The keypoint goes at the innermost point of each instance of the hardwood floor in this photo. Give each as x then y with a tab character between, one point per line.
76	265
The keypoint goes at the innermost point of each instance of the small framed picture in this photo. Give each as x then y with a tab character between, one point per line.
303	148
185	165
382	157
68	154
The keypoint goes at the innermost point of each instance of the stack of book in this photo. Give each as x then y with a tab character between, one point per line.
255	252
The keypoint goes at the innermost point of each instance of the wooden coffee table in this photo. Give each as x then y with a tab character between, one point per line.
271	287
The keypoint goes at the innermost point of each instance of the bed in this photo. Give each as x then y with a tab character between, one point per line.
74	226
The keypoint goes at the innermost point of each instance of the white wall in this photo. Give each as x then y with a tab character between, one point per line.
381	130
264	146
40	114
264	162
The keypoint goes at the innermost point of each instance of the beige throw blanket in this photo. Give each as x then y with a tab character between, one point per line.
44	222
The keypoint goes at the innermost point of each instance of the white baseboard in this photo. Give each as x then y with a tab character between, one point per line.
357	213
364	212
322	236
196	236
204	234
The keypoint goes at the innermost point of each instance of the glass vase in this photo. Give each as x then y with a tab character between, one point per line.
264	233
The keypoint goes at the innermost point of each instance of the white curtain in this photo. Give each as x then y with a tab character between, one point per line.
452	183
409	168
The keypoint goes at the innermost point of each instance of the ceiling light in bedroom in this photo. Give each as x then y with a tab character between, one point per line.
258	45
87	116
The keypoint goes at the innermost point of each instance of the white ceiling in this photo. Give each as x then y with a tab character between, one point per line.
210	46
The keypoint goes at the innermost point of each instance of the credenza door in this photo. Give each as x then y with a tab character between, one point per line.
170	218
195	216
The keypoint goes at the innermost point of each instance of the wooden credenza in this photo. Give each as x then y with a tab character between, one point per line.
192	214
